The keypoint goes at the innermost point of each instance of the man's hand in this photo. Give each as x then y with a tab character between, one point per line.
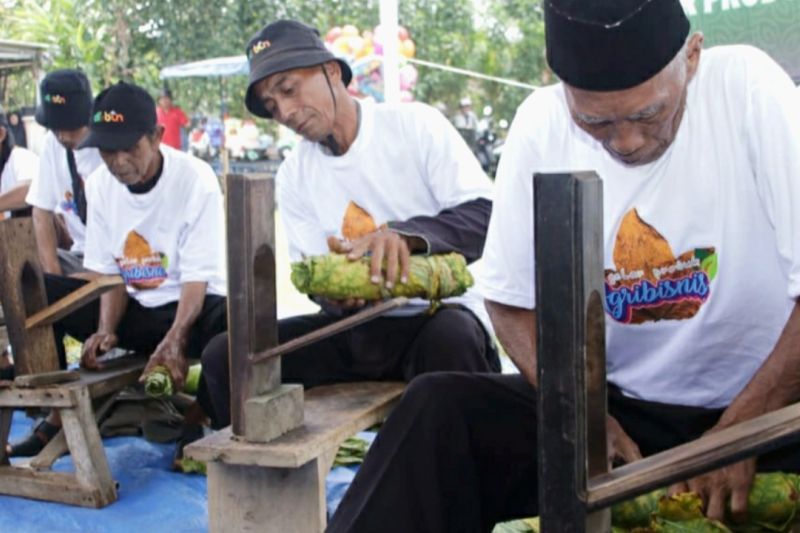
619	446
171	354
733	481
95	346
381	244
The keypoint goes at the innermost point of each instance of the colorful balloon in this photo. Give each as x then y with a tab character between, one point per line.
408	48
333	34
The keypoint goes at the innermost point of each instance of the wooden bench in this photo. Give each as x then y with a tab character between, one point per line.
280	485
39	382
267	471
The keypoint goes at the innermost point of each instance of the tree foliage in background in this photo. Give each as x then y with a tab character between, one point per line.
133	40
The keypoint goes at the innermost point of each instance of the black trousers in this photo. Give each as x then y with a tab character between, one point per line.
384	349
459	454
141	328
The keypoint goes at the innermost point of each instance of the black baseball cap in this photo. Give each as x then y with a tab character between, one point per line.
610	46
285	45
122	114
66	100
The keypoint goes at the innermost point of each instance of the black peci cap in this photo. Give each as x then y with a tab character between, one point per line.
609	46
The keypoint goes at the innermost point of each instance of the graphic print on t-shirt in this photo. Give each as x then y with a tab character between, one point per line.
68	203
140	266
650	283
357	222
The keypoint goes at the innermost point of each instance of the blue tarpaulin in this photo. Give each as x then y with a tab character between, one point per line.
152	498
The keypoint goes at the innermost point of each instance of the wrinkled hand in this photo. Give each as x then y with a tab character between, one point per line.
733	481
171	354
619	446
381	244
97	345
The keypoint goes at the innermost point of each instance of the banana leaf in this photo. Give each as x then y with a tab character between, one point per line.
333	276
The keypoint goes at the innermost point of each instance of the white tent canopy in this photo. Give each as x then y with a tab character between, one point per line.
218	66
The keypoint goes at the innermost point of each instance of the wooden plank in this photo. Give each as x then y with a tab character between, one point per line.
568	241
333	413
252	314
46	378
265	500
22	293
118	374
86	447
45	397
339	326
755	436
59	487
73	301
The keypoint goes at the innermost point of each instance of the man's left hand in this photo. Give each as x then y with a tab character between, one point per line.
381	244
715	488
171	354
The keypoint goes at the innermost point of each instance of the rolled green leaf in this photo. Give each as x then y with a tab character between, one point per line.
158	383
192	379
333	276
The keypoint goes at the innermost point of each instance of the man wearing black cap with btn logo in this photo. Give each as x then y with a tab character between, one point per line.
700	160
385	180
58	190
155	218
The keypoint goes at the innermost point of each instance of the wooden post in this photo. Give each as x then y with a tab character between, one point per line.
261	407
568	235
22	294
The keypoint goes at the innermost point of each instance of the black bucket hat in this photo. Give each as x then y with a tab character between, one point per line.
285	45
122	114
66	100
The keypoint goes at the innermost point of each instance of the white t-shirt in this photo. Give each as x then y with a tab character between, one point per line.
172	234
702	246
406	161
52	188
22	165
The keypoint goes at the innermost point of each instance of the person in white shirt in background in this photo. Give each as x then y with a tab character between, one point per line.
699	153
18	166
57	194
156	219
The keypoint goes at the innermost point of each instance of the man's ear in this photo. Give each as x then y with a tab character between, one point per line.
694	47
158	133
334	71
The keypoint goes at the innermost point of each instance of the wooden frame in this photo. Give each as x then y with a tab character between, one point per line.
267	472
39	383
575	489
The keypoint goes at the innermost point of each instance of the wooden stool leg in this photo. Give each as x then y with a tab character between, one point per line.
269	500
86	448
5	428
58	444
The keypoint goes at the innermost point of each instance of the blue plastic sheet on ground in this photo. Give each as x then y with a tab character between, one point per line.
152	498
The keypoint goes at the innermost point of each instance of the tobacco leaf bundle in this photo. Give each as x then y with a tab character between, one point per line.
333	276
158	383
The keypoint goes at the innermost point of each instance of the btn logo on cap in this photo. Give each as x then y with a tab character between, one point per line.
108	117
56	99
259	47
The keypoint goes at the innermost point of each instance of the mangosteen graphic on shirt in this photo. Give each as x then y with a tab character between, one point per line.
140	266
649	283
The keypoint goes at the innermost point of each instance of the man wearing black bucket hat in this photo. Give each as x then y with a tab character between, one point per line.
155	218
57	193
385	180
700	163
